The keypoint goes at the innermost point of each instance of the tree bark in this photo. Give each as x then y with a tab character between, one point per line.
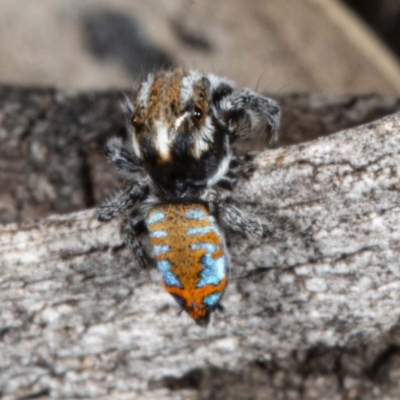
311	312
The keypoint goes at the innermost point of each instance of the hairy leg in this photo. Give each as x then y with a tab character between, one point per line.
132	231
124	202
238	221
249	111
124	159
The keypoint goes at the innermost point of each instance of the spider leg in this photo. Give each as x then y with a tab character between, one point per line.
249	111
132	232
230	215
238	221
124	202
122	157
227	213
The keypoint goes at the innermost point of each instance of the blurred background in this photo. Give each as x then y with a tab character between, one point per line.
329	46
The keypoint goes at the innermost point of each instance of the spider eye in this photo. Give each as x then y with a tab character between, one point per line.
197	113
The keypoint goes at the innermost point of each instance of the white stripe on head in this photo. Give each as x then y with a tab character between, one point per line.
161	140
145	89
204	139
179	120
188	82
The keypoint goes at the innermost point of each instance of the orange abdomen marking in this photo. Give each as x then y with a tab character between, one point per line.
190	253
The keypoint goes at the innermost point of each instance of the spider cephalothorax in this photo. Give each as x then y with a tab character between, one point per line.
182	125
178	162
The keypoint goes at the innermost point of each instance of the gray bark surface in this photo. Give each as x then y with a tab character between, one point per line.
311	312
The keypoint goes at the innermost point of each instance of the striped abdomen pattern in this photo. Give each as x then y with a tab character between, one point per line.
190	253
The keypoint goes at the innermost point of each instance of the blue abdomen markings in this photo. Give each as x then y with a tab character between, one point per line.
196	214
213	270
212	299
155	217
202	230
161	249
158	234
164	266
190	253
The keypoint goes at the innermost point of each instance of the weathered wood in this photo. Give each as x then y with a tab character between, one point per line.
311	311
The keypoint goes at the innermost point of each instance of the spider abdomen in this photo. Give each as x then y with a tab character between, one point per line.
190	252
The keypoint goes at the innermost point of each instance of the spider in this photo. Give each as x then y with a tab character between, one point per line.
180	167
